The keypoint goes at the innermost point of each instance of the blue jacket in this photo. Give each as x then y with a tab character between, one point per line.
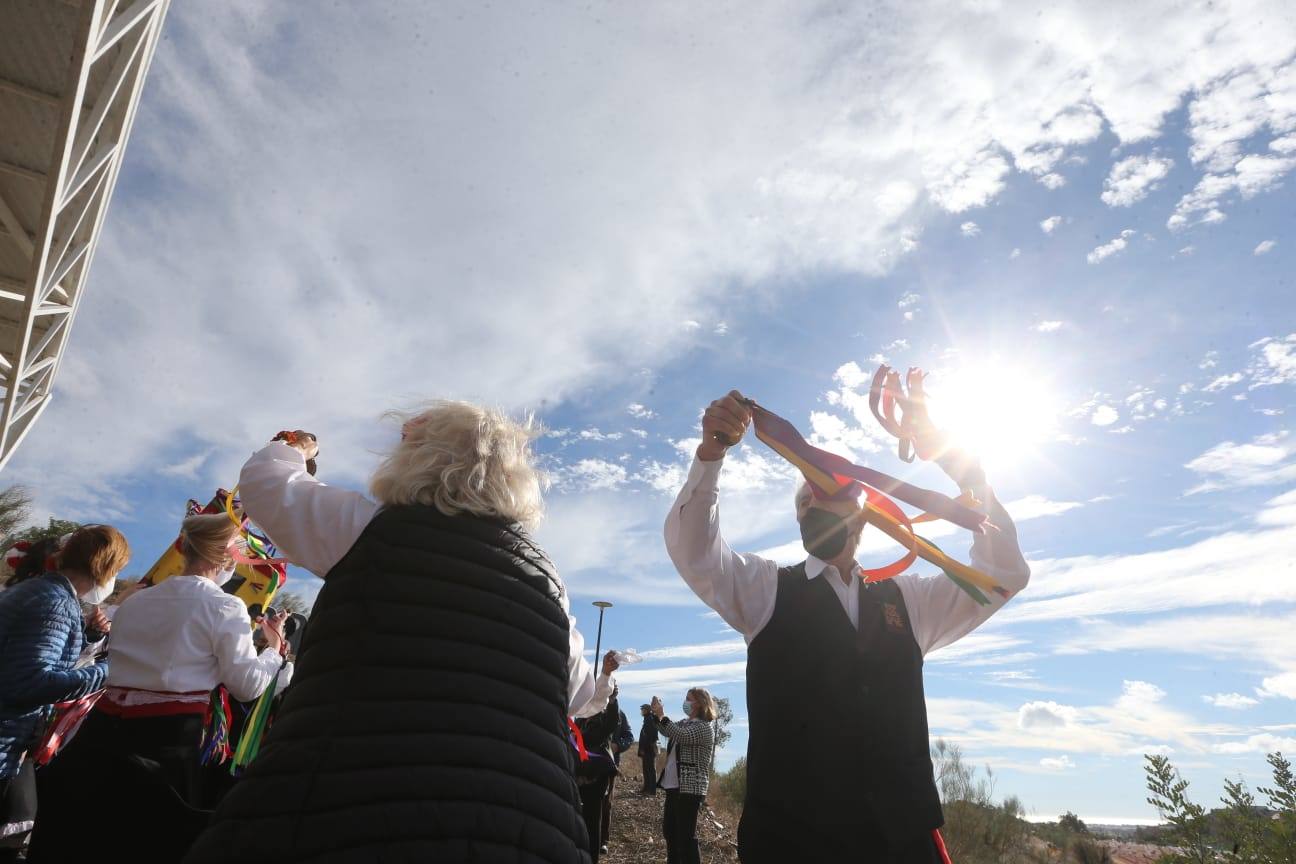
40	640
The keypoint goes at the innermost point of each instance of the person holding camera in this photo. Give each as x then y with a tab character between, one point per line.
690	754
41	637
171	645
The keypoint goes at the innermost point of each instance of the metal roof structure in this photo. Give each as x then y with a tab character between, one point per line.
71	72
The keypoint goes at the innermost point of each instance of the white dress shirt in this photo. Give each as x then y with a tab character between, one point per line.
742	588
186	635
314	525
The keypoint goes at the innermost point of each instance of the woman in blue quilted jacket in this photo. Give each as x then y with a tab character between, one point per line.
40	640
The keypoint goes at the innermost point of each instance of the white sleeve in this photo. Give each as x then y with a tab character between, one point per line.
741	588
580	675
242	670
313	524
597	702
940	612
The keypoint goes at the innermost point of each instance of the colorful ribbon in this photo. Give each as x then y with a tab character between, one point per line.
257	724
214	746
831	476
578	740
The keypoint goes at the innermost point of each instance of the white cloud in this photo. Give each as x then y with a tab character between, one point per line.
1283	686
908	299
1109	249
969	229
1034	506
693	652
1133	178
1048	326
1223	382
1233	567
1265	246
1057	763
595	434
641	412
840	181
1274	362
1265	460
673	679
1045	715
1210	361
1049	225
1188	250
1232	701
1104	415
1053	180
593	474
1014	254
1250	176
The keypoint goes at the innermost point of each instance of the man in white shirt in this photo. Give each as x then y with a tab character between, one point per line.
838	760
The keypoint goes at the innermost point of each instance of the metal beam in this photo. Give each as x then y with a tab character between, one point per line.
122	24
85	160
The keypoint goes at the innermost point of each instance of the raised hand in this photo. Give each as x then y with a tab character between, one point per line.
723	425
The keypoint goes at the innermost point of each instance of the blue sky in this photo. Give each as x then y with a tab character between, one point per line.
612	216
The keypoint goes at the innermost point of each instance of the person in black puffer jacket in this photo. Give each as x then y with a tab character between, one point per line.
428	715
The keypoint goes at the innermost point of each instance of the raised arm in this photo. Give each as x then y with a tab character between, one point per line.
940	612
242	670
741	588
313	524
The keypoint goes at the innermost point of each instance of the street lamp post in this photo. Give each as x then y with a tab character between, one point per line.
598	641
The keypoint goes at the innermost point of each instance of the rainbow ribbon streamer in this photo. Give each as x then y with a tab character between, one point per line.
830	475
257	724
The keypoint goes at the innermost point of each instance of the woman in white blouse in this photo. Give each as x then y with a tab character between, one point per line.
171	645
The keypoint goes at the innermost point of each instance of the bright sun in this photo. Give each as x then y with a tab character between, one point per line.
998	411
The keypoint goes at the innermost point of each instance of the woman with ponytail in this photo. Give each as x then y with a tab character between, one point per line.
171	645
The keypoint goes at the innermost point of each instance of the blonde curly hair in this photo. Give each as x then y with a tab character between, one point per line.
463	458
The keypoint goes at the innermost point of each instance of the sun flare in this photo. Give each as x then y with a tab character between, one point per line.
998	411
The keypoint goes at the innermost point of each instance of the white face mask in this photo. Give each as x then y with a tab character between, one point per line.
223	576
99	593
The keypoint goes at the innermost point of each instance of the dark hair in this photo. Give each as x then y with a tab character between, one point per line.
99	550
35	562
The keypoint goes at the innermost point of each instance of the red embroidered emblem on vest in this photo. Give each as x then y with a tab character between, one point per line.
895	622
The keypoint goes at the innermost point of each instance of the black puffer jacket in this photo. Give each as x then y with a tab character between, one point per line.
427	717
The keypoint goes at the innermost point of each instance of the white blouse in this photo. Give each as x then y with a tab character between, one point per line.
314	525
186	635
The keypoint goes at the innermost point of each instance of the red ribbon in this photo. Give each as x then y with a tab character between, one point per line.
578	740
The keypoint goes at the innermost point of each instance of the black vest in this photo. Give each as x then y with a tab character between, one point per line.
838	720
427	717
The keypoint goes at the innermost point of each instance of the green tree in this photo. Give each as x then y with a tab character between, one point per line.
724	716
55	528
1282	798
1189	826
287	601
731	785
15	507
1073	823
977	830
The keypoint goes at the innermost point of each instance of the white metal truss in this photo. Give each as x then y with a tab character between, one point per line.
70	78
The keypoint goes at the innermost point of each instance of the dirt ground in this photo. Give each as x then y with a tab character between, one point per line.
636	838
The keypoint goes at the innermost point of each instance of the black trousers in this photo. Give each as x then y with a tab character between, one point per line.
679	826
150	764
650	774
774	836
17	810
592	795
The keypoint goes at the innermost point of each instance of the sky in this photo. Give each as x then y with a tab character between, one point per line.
1077	216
